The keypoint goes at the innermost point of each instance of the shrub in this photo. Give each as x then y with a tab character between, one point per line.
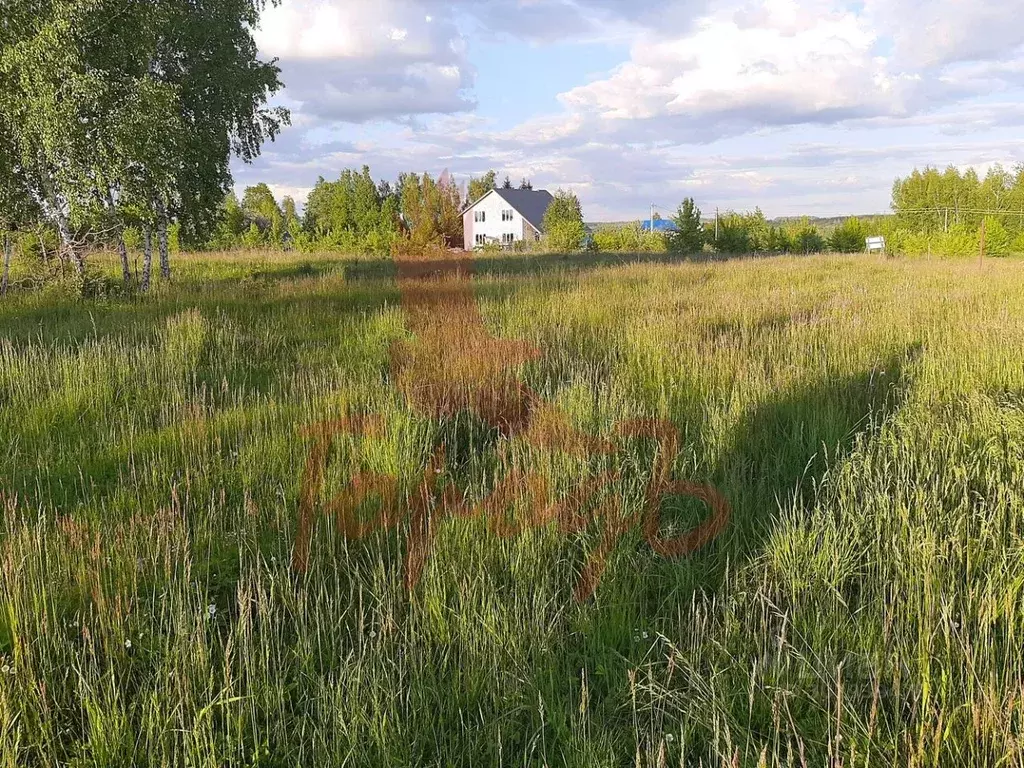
848	237
733	235
961	240
630	238
563	222
689	237
807	239
997	239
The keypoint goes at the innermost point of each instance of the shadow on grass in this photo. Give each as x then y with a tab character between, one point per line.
782	449
74	322
526	264
778	453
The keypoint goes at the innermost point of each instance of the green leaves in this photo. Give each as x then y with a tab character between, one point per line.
113	109
563	222
689	235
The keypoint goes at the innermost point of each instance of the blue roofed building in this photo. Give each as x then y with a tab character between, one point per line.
660	225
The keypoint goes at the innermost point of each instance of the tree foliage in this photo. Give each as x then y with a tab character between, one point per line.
631	238
689	234
941	212
563	222
480	187
848	237
121	113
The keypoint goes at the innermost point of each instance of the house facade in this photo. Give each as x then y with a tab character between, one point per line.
505	216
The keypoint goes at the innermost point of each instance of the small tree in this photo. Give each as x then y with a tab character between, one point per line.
689	234
848	237
997	240
480	187
563	222
733	236
261	208
809	239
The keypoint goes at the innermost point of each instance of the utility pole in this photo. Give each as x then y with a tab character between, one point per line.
716	224
652	217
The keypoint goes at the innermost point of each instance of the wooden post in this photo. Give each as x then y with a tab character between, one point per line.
981	249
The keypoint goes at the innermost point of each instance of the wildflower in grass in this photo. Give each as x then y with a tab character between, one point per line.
128	644
669	737
7	670
211	609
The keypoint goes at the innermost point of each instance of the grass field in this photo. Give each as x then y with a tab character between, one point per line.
864	418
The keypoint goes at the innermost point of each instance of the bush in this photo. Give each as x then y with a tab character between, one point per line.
733	235
777	241
848	237
563	223
629	239
961	240
689	237
997	240
807	239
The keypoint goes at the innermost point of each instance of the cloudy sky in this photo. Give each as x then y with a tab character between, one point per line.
799	106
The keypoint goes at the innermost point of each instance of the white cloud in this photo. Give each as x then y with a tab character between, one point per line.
797	105
933	33
366	61
753	65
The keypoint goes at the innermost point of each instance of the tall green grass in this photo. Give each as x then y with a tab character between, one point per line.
865	418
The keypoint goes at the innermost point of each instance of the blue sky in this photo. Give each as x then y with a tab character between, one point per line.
797	106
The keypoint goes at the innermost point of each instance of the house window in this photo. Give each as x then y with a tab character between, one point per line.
507	215
508	238
481	239
480	216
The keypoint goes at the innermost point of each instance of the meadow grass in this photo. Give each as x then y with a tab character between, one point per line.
864	418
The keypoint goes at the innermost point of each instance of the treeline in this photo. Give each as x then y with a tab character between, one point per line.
355	214
941	213
124	116
734	233
954	213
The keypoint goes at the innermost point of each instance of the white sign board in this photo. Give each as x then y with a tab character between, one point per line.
876	244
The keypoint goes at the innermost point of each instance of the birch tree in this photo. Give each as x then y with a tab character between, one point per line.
128	111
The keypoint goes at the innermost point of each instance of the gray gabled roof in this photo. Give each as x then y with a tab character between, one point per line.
531	204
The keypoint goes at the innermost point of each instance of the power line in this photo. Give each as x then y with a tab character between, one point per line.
943	209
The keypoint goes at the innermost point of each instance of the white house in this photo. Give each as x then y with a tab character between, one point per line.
506	216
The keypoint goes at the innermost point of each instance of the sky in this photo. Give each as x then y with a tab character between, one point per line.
801	107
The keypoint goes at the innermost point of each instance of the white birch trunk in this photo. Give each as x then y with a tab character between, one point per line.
122	251
165	258
8	249
69	246
147	258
